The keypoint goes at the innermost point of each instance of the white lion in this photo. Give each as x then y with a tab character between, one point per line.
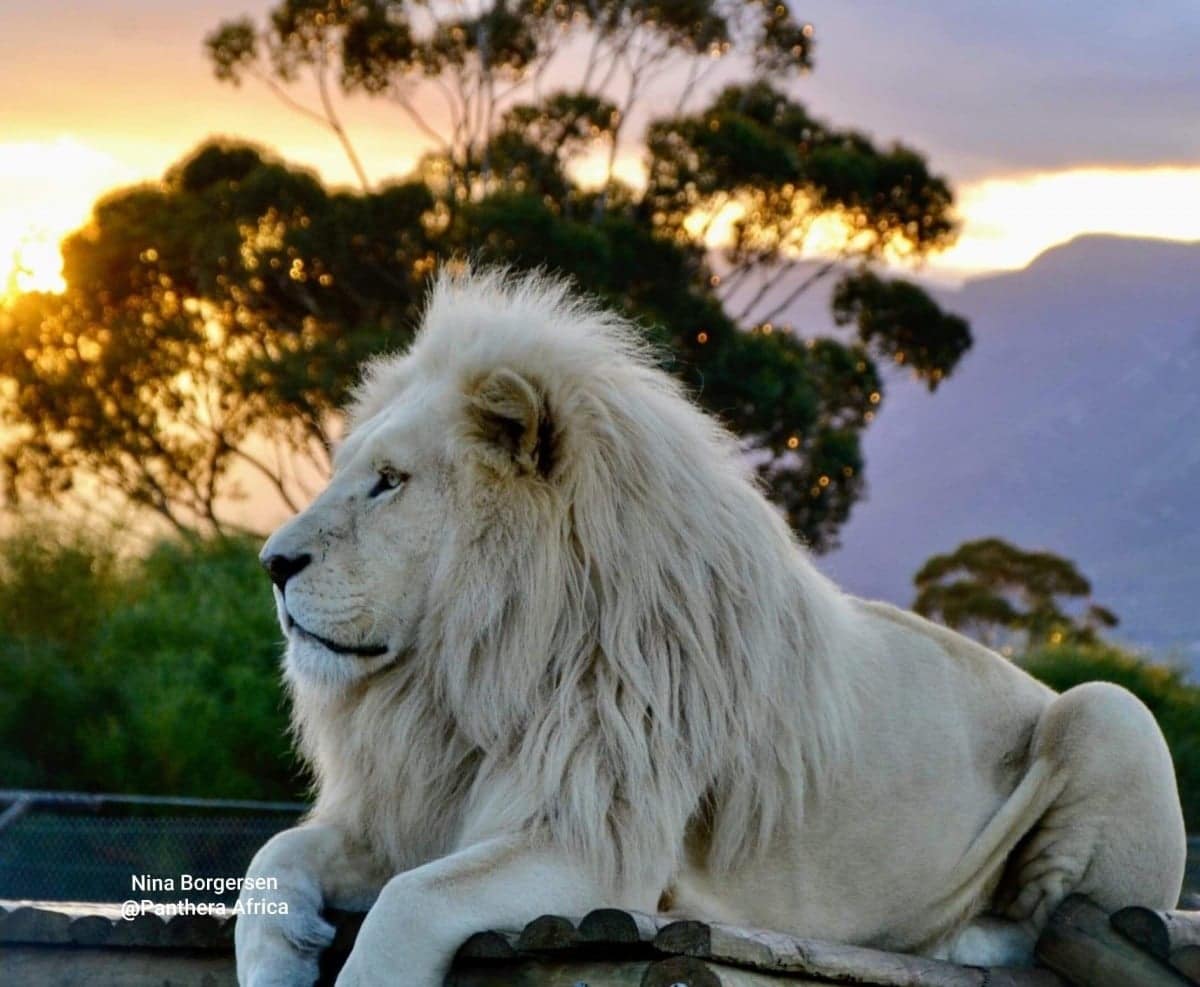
549	648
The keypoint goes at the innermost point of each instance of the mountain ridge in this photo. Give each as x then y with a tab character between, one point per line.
1072	425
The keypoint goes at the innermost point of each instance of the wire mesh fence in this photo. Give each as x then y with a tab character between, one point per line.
64	846
1191	877
73	847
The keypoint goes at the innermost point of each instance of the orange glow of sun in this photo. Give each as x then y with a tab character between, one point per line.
46	190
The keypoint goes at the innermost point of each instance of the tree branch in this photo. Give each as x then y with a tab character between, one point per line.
335	124
817	275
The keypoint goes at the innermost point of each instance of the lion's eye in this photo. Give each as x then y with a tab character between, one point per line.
389	479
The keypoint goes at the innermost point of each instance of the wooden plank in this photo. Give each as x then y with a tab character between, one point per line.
607	973
1080	943
788	955
619	943
1159	932
540	973
28	965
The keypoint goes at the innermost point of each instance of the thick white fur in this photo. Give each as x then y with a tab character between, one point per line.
609	675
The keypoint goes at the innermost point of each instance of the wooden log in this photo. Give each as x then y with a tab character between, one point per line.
547	933
197	932
1187	962
1160	933
38	925
489	946
686	937
1080	943
92	930
615	926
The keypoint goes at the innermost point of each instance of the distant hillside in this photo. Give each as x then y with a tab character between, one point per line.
1073	425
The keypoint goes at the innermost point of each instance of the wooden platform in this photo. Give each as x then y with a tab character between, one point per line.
1083	947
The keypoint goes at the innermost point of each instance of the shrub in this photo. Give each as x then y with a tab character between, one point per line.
151	675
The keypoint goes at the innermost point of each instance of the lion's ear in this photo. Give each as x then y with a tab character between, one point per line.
509	415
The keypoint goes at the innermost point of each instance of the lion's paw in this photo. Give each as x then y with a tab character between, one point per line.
281	950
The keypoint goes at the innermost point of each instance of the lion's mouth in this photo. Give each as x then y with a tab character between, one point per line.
354	651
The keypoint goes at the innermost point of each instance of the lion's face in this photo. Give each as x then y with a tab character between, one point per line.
353	571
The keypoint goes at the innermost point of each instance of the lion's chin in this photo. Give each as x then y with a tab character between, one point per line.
312	663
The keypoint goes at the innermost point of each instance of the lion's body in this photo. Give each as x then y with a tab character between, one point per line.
594	667
944	734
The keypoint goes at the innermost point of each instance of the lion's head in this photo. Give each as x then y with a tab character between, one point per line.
454	459
536	548
352	572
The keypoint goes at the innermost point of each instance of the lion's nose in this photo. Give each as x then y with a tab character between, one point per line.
281	568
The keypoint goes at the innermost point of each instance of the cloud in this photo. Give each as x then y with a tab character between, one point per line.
1009	221
1020	86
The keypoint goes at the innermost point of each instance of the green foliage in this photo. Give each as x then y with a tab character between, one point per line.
157	675
1174	702
990	587
902	322
377	40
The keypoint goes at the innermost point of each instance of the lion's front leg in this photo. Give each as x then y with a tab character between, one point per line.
279	934
422	916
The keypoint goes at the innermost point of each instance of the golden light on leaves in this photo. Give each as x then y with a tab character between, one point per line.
809	234
30	261
590	170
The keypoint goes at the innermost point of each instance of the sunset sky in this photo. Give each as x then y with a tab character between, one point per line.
1050	119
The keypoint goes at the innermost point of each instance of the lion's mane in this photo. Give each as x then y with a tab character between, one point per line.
629	643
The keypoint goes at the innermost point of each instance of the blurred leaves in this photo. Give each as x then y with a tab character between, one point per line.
232	303
758	148
901	323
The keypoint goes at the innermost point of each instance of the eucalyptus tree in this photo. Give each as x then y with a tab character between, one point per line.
247	279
